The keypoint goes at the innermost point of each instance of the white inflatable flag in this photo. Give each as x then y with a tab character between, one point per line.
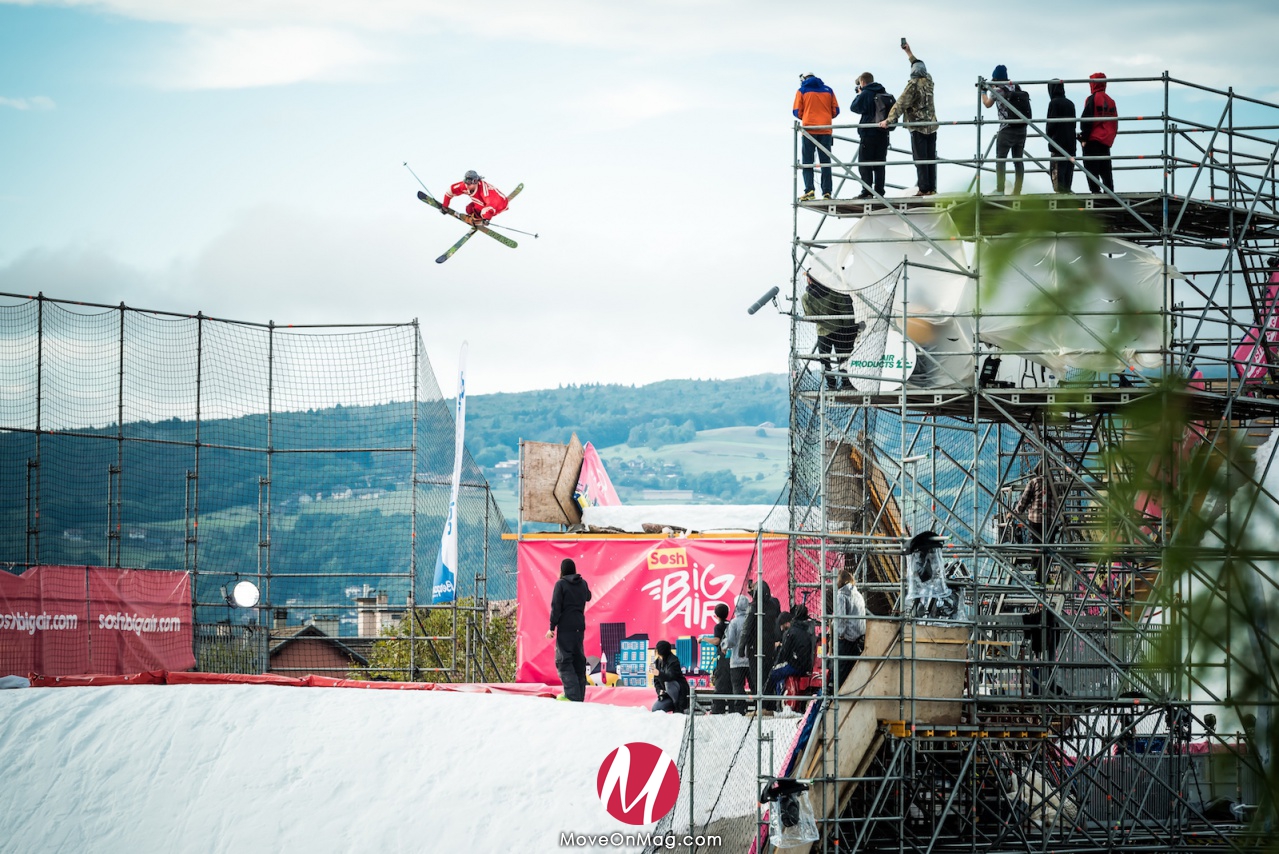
444	588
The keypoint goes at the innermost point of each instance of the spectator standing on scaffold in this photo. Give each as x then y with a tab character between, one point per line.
738	664
1062	166
816	108
873	104
849	629
722	683
915	105
1011	140
1099	136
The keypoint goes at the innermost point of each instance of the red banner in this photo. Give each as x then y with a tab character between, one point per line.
64	620
666	589
44	621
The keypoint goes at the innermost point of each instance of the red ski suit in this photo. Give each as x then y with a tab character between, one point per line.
488	200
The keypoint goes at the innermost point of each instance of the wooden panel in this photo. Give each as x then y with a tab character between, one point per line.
924	675
540	465
566	483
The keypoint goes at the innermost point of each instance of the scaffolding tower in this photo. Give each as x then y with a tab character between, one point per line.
1032	680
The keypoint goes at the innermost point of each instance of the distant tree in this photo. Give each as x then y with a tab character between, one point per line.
433	660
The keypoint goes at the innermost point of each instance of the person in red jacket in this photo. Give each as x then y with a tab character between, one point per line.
487	201
1098	136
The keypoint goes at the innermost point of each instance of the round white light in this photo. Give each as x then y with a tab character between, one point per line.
244	594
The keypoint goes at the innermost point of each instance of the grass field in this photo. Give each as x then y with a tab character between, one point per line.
742	450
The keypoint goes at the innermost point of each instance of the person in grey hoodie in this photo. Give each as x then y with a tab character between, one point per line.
568	627
738	665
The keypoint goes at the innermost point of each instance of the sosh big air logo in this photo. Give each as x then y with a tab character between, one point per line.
638	783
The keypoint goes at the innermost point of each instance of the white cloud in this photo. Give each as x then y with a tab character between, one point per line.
276	56
38	102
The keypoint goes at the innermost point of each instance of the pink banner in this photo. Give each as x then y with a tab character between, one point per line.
64	620
594	487
664	588
1250	357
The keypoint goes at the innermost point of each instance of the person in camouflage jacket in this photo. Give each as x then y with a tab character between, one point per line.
916	107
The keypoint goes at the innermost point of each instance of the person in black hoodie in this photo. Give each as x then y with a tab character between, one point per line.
795	658
568	627
669	680
873	147
723	682
1062	168
763	602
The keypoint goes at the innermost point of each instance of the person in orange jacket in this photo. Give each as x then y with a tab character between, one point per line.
816	108
487	201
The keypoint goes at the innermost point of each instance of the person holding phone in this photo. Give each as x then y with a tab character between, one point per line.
916	107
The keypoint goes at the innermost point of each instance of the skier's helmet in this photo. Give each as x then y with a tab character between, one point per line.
471	177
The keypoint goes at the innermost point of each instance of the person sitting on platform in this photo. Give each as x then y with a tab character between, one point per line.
669	680
795	657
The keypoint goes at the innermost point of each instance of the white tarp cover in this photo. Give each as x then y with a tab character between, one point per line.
1073	304
940	321
691	517
1113	289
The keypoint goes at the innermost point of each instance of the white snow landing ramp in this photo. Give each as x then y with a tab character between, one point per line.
268	768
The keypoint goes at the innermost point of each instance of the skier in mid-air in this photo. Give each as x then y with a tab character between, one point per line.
487	200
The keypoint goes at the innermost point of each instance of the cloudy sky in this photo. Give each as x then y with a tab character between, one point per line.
244	157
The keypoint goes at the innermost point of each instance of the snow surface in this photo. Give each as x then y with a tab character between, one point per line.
267	768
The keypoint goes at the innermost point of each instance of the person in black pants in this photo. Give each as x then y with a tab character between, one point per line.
568	627
1062	170
916	106
873	145
722	680
1097	131
763	604
669	680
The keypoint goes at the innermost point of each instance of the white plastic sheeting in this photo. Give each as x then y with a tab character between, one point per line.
1079	305
936	290
1113	290
690	517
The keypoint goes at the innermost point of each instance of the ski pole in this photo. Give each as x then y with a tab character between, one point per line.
414	174
509	228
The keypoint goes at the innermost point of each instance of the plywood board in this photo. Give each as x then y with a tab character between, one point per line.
566	482
921	674
540	466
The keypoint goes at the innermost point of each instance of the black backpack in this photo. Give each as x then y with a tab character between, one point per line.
1019	100
883	106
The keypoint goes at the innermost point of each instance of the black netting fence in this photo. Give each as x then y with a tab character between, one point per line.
314	462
